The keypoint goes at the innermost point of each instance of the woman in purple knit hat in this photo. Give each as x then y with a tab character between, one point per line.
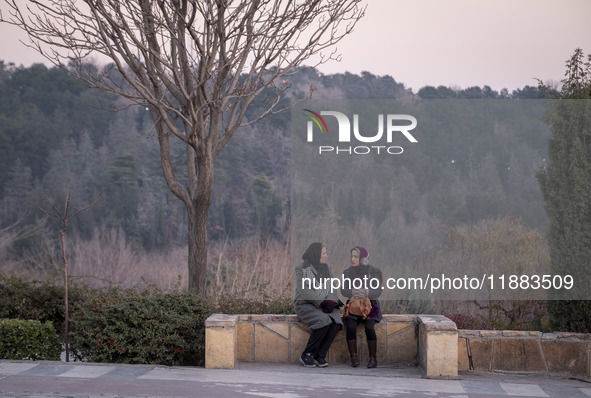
366	284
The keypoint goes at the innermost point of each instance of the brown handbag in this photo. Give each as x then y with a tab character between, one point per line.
358	307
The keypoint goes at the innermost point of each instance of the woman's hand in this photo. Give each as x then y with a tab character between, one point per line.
328	306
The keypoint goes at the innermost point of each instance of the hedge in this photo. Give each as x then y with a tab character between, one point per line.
39	300
29	339
129	326
125	327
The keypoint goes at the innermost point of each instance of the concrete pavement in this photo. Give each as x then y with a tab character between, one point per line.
91	380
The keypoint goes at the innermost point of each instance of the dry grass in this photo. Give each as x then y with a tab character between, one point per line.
108	260
250	269
256	270
247	267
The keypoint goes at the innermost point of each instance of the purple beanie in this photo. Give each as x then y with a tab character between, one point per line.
363	256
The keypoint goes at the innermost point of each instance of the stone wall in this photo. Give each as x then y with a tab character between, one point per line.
522	351
282	338
431	341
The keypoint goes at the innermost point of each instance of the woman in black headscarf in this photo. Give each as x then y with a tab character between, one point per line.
316	305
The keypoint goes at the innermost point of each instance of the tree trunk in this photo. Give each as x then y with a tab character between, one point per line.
66	303
198	214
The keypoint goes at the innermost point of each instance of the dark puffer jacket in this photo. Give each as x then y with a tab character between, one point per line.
370	272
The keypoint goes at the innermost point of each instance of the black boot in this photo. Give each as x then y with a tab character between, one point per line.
372	347
352	344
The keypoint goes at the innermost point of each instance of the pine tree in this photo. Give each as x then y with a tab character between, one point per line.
566	188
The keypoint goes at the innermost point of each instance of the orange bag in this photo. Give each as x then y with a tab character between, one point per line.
358	307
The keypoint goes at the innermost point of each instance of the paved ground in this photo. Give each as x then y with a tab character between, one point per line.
77	380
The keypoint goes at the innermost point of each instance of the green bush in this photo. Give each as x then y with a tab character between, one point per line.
129	327
570	315
39	300
20	339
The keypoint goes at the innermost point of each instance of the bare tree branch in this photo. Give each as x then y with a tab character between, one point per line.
61	220
197	65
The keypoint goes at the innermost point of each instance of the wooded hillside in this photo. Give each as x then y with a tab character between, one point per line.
53	136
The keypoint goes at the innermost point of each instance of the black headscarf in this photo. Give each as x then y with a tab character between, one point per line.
312	254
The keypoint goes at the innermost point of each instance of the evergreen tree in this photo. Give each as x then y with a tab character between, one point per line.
566	188
264	194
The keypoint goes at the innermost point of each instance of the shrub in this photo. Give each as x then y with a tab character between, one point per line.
39	300
20	339
129	327
468	322
132	326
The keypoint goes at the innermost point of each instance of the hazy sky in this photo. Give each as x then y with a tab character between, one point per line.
461	43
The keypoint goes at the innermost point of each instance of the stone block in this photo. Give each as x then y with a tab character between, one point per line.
468	333
245	341
440	354
514	333
339	351
435	323
398	318
490	333
220	348
402	344
269	346
481	351
518	355
221	321
381	351
438	346
299	335
281	328
566	357
569	335
392	328
463	360
259	317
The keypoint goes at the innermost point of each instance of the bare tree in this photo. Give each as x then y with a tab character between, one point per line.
196	65
61	220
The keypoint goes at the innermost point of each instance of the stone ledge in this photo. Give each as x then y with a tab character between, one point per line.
267	317
221	321
431	340
467	333
399	318
437	323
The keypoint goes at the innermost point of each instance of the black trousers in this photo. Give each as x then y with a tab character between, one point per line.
321	339
351	325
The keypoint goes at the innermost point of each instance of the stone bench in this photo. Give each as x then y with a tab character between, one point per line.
430	341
